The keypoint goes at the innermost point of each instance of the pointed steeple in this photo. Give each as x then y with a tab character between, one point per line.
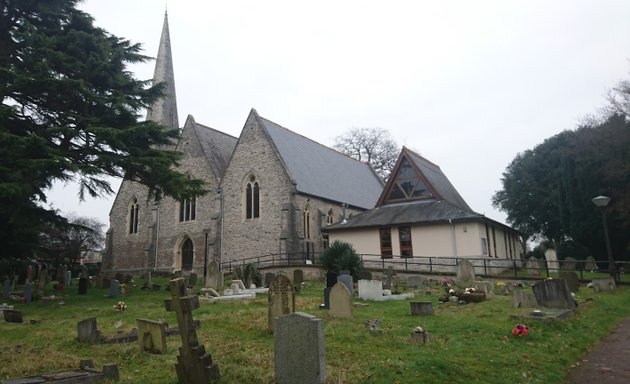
164	110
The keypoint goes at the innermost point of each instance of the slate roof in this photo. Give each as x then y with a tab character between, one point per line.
216	145
414	212
437	179
321	171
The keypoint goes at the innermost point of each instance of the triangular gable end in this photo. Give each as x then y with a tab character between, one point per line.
407	183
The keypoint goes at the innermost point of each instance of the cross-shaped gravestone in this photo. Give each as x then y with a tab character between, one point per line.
389	277
194	365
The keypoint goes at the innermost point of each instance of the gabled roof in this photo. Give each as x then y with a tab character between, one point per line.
216	145
321	171
432	183
414	212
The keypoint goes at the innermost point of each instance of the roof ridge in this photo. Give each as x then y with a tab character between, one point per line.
423	158
215	130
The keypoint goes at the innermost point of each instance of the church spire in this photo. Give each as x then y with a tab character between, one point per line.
164	110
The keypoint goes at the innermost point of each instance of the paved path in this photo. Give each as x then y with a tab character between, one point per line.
608	362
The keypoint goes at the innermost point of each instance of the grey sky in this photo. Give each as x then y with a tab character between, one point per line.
467	84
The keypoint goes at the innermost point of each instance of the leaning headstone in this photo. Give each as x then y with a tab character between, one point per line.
522	299
28	292
604	285
114	289
214	279
12	316
572	280
151	336
421	308
6	289
465	270
553	293
340	301
194	365
552	260
192	280
347	281
298	276
299	353
590	264
569	264
280	299
370	289
88	332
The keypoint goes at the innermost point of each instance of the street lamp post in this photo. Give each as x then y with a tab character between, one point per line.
602	202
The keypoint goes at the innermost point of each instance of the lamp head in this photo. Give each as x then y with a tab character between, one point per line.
601	201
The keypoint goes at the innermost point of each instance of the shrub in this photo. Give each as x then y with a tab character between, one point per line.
341	256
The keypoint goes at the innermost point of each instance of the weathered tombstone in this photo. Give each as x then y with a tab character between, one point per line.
268	278
280	299
88	332
146	279
590	264
214	279
552	260
298	276
194	365
389	277
240	284
114	289
331	279
192	280
568	263
572	280
421	308
42	280
364	275
84	278
347	281
604	285
419	336
415	281
370	289
28	292
29	273
522	299
12	316
6	289
465	270
299	352
533	266
340	301
68	279
553	293
151	336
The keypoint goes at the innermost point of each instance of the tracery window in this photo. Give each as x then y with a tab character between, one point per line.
133	216
252	198
187	209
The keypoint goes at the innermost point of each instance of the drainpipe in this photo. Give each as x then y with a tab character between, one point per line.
453	239
157	235
220	191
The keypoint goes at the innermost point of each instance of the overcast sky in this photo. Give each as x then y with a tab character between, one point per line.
467	84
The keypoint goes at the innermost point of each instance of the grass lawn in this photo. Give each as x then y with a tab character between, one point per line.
469	343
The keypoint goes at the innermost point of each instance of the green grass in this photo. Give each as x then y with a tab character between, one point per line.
469	343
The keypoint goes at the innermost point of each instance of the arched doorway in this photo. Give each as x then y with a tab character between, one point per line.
187	255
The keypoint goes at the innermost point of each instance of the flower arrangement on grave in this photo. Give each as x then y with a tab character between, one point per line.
520	330
468	291
121	306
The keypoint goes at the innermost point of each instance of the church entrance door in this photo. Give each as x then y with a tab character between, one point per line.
187	255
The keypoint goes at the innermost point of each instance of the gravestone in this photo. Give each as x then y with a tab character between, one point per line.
114	289
533	266
83	284
268	278
192	280
299	352
194	365
572	280
42	280
389	277
280	298
68	279
604	285
28	292
364	275
347	281
370	289
465	270
88	332
590	264
415	281
29	274
6	289
569	263
298	276
552	260
421	308
522	299
214	279
12	316
151	336
553	293
340	301
146	279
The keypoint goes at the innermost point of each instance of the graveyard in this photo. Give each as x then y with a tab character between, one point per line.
375	341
